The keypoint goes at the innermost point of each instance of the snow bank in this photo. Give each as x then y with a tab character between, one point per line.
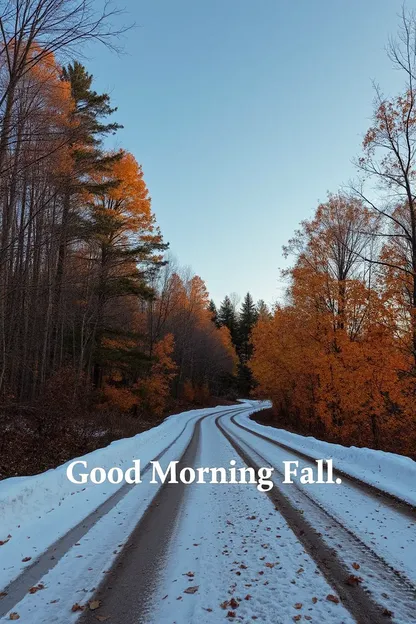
38	510
389	472
22	499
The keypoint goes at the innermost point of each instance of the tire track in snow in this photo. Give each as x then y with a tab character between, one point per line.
127	590
18	588
388	499
357	599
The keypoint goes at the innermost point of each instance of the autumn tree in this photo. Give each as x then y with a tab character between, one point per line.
124	245
388	161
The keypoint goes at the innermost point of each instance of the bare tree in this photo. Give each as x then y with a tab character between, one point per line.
388	165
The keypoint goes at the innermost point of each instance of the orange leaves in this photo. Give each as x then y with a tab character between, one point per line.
155	388
126	202
330	360
121	398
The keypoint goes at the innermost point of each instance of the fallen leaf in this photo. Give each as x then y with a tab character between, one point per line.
14	616
233	603
356	566
3	594
388	613
231	614
296	618
332	598
2	542
353	580
298	605
77	607
36	588
248	597
26	559
191	590
94	604
314	600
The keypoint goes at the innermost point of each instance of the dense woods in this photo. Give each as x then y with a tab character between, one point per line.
338	358
100	333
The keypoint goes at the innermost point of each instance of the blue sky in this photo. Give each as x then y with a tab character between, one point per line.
244	114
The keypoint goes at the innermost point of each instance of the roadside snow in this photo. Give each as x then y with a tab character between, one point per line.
38	510
232	545
389	472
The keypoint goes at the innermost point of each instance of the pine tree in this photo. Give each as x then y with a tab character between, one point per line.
86	131
125	249
263	312
248	318
227	317
214	312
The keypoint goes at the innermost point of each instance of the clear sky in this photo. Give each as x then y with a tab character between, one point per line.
244	113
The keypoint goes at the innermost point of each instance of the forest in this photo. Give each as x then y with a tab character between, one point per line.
338	357
103	334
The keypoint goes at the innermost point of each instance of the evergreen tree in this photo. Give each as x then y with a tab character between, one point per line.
263	312
248	318
227	317
246	321
86	131
214	313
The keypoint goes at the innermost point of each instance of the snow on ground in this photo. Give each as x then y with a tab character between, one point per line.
229	542
80	571
239	552
389	472
36	511
378	526
381	527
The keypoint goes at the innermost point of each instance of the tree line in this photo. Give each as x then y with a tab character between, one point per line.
240	324
338	358
94	316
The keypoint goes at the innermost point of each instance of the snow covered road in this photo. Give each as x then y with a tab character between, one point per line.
213	552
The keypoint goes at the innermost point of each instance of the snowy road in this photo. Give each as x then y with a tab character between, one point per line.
210	553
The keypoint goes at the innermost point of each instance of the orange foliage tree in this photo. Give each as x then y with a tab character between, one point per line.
328	358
